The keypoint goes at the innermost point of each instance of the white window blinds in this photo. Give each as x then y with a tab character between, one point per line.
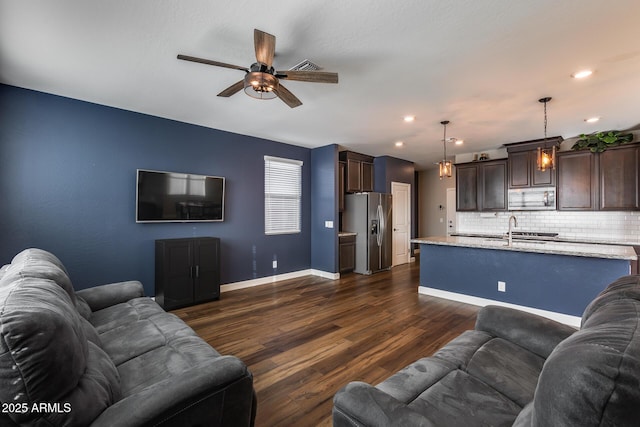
282	195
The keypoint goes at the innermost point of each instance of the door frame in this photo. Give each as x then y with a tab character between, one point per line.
408	211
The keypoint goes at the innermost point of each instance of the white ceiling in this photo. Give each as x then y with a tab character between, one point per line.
482	64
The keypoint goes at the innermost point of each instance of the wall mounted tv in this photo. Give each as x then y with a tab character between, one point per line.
178	197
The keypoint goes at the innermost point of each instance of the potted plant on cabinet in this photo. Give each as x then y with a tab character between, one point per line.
597	142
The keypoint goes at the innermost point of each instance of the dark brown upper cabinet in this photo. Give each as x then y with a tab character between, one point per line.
481	186
358	171
608	181
523	166
577	181
619	178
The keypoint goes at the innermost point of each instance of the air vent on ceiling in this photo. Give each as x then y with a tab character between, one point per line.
305	65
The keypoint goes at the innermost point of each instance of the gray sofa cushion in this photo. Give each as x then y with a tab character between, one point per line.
593	377
35	263
46	357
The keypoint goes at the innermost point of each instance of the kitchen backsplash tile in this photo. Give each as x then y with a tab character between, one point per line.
607	226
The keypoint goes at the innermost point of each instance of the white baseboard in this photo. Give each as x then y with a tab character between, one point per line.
276	278
468	299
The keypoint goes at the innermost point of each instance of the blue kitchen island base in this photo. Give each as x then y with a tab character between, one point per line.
550	282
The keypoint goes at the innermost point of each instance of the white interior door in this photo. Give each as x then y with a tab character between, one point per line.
401	219
451	210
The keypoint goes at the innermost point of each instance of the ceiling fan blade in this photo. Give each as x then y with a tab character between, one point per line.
287	97
233	89
308	76
265	45
210	62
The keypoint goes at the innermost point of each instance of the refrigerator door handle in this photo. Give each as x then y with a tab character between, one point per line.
381	225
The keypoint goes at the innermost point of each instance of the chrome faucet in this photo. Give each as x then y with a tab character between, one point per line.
515	224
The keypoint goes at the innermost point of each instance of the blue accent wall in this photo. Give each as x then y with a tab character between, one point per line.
390	169
68	177
558	283
324	207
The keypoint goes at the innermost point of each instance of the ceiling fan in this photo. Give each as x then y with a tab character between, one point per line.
261	80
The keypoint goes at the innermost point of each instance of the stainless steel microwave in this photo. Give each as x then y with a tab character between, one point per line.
532	199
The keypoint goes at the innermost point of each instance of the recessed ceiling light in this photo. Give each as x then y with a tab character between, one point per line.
409	119
399	143
459	141
592	119
582	74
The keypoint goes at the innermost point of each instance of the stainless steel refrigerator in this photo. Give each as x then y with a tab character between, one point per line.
369	215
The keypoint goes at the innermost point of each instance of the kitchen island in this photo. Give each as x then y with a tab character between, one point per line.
552	278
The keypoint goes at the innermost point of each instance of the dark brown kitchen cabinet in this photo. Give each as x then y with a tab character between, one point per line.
481	186
524	173
577	181
619	178
358	172
493	195
347	253
467	187
187	271
341	175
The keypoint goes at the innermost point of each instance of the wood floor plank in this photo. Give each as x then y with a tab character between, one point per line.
304	339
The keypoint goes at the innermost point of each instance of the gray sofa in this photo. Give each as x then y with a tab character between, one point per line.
106	356
517	369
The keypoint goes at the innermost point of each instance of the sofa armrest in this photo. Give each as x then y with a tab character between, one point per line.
103	296
219	393
360	404
535	333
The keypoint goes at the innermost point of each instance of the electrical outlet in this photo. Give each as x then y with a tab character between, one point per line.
275	263
502	286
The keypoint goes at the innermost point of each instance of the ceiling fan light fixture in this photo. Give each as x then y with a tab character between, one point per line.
260	85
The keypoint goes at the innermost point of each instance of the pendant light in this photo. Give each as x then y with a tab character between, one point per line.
445	165
546	157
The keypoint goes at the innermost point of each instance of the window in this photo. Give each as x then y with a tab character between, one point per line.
282	195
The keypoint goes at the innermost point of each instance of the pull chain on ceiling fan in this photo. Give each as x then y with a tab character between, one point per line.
261	81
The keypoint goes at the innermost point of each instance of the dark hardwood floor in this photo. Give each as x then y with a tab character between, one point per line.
305	338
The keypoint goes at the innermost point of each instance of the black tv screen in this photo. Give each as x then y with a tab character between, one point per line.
178	197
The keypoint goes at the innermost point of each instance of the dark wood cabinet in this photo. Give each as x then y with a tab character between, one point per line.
187	271
467	187
600	181
577	181
519	170
481	186
358	171
493	195
523	164
619	178
341	179
367	176
347	253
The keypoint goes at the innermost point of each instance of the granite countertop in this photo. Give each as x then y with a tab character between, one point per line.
546	247
346	233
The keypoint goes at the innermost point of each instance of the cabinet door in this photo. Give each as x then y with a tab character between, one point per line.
519	173
174	285
467	188
494	186
341	189
546	178
367	176
577	181
619	179
347	254
354	176
206	282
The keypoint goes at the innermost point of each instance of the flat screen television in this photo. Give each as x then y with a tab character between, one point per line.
178	197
